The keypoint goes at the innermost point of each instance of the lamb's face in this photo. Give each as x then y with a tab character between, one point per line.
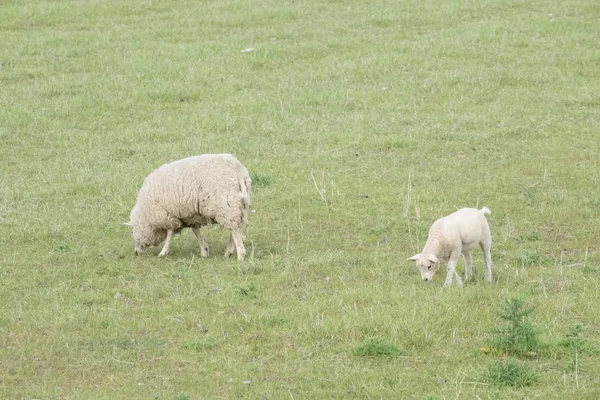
427	268
144	238
427	264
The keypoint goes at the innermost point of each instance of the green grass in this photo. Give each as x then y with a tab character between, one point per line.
361	123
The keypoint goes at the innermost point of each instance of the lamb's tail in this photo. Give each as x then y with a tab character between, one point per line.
485	211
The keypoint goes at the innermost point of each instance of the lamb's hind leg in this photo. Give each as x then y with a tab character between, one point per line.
201	241
468	264
487	259
165	249
236	241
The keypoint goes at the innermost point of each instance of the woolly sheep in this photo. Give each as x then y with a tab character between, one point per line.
451	236
192	192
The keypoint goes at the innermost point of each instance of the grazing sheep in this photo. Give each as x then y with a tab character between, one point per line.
192	192
451	236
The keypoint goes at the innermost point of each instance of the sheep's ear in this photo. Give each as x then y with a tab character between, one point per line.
433	258
413	258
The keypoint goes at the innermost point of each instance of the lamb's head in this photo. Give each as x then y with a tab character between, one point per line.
144	237
428	265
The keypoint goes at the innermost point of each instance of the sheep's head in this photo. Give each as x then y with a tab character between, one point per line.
144	233
144	238
428	265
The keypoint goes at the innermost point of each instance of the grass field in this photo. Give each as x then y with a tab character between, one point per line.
361	123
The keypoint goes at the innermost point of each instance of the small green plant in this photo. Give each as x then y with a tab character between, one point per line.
591	270
519	337
573	338
205	343
528	197
510	373
246	290
376	347
259	180
574	342
531	258
532	236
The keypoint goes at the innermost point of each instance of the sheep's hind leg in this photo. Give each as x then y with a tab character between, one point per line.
201	241
230	246
165	249
236	240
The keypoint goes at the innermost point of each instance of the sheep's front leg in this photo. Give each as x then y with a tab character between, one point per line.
165	249
201	241
452	270
468	264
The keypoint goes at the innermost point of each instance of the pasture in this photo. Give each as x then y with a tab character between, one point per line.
361	123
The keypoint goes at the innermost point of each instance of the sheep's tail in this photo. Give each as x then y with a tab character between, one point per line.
485	211
246	189
245	196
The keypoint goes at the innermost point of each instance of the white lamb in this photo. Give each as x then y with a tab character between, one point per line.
192	192
451	236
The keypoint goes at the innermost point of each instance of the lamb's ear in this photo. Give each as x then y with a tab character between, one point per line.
433	258
413	258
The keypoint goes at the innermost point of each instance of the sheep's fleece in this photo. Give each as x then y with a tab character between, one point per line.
451	236
192	192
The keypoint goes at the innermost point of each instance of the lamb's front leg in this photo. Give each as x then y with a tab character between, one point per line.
451	270
165	249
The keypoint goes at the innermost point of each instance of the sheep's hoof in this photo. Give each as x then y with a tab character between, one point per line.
161	254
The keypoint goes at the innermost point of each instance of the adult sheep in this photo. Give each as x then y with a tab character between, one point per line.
192	192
